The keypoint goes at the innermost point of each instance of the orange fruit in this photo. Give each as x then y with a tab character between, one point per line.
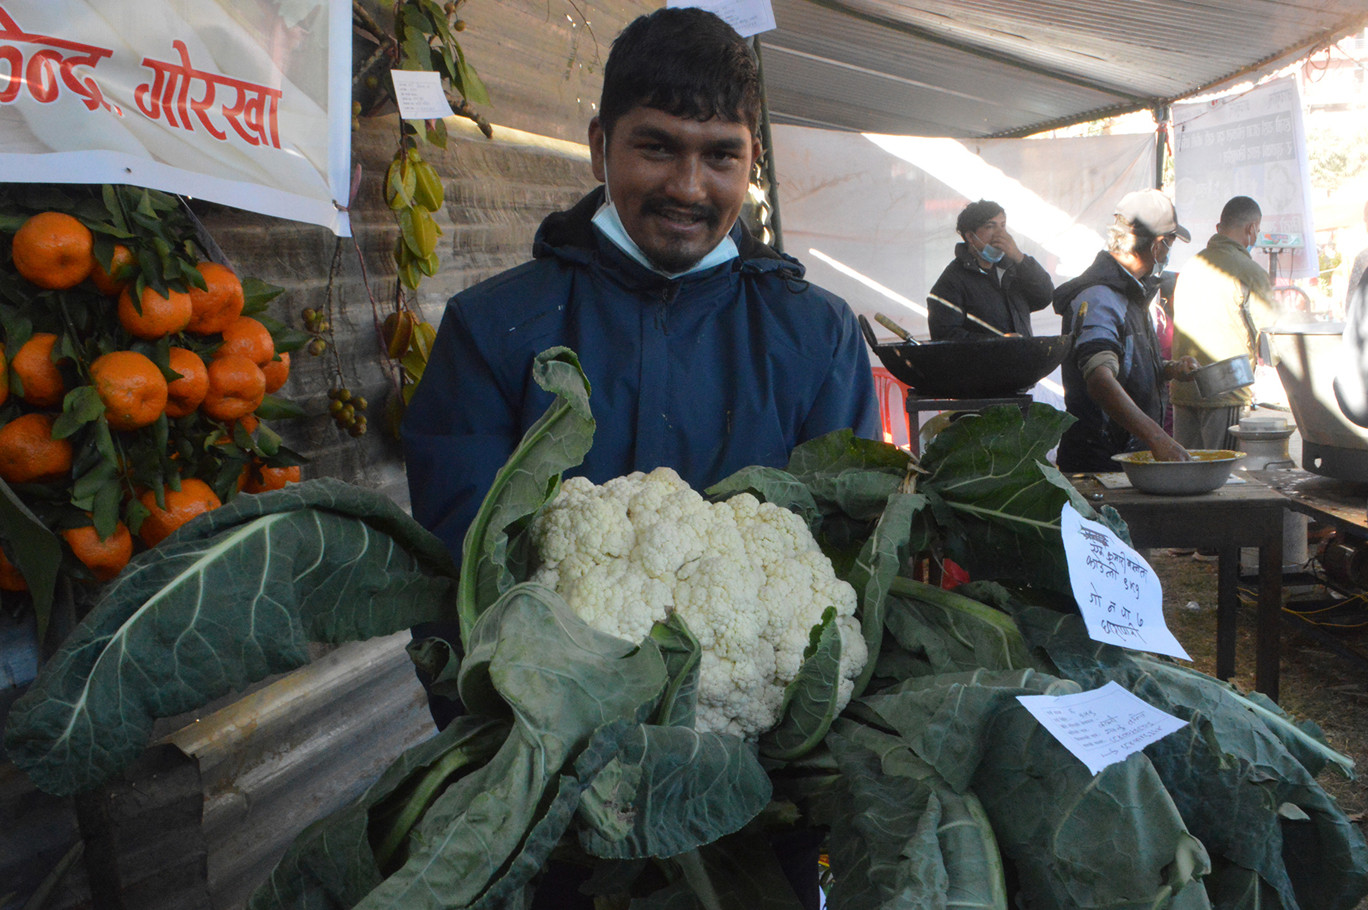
29	454
42	381
4	377
104	558
195	497
220	304
185	394
236	387
120	273
248	422
132	388
160	315
261	478
54	250
250	338
277	371
11	579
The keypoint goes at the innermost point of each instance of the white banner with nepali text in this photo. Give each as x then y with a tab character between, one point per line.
243	104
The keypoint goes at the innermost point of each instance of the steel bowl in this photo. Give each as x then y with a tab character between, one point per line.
979	368
1208	470
1224	376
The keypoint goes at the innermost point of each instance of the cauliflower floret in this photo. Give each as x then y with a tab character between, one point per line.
718	599
771	533
736	696
583	518
745	576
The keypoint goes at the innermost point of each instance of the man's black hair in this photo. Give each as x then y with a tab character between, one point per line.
1239	211
975	215
686	62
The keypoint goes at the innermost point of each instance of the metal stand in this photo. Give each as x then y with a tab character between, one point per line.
916	404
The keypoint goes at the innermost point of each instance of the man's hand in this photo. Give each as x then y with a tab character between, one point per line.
1164	448
1182	369
1007	243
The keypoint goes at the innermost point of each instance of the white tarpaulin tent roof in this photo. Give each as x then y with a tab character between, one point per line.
972	68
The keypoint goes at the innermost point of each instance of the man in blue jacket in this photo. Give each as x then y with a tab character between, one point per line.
705	349
1115	377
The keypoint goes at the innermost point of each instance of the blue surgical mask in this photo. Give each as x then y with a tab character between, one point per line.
991	253
607	220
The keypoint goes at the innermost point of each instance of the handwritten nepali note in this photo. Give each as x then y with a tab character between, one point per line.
748	17
1103	726
419	95
1120	596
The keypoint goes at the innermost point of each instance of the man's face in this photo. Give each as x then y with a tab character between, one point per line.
678	184
1252	231
1159	249
991	231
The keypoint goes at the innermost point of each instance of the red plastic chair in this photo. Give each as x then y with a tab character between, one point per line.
892	407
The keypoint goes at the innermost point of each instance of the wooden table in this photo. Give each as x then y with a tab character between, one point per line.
1236	515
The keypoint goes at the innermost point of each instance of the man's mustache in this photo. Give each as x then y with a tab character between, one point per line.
665	208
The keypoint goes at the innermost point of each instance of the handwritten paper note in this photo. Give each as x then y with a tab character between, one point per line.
419	95
748	17
1102	726
1120	596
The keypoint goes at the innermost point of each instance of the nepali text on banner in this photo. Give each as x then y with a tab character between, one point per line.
247	105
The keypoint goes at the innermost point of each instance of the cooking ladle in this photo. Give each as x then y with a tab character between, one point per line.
868	331
893	327
970	316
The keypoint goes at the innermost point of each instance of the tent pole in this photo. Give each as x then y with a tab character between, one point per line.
1161	116
771	184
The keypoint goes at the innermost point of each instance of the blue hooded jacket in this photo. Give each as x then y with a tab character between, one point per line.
720	369
1115	317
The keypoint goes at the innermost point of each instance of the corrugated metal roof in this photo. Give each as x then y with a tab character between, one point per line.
972	68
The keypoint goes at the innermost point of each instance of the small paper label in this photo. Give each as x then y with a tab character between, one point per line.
1120	597
1103	726
419	95
748	17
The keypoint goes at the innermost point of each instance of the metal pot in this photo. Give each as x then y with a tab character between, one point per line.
1224	376
1209	469
1332	444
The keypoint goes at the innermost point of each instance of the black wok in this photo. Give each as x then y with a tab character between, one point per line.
981	368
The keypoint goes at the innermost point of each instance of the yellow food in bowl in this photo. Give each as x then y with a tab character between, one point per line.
1147	457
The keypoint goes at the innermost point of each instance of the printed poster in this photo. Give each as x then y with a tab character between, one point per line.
1252	144
244	104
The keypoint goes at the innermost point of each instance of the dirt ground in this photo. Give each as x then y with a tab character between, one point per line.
1318	682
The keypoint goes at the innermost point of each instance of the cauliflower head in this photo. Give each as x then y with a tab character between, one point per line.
746	576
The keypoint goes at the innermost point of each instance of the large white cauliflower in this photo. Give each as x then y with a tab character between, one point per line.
746	576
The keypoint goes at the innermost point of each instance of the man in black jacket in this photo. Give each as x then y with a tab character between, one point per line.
990	285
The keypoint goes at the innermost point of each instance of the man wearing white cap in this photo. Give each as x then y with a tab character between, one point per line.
1115	377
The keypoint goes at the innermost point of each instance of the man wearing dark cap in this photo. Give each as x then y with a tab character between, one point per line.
991	285
1114	378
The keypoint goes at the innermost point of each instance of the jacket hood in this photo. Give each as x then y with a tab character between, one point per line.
570	235
1107	272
